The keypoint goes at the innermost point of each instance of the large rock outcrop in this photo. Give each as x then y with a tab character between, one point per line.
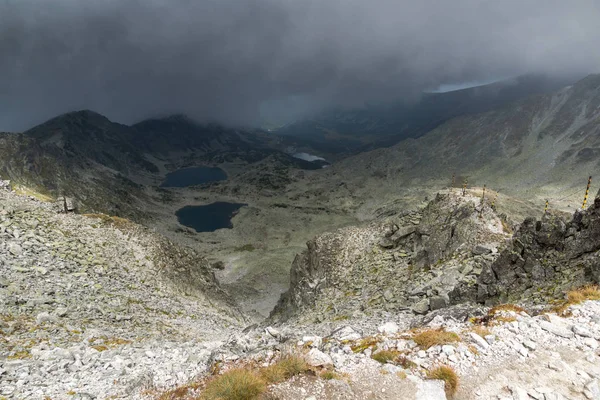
412	261
545	258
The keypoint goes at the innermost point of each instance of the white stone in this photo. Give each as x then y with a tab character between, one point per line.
557	330
530	345
479	341
581	331
44	317
272	331
317	358
314	341
389	328
518	393
345	333
428	389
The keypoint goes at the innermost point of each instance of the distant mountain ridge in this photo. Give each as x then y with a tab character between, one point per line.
542	147
357	130
102	163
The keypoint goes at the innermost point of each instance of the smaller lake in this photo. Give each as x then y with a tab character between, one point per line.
194	176
210	217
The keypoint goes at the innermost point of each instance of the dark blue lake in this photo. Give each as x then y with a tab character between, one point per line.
210	217
194	176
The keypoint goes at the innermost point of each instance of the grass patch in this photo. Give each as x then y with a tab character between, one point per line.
329	375
481	330
24	191
246	247
19	355
498	315
117	222
287	367
180	392
577	296
386	356
446	374
237	384
435	337
364	344
505	307
405	363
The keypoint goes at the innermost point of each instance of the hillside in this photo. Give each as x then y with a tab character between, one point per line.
344	132
539	148
96	306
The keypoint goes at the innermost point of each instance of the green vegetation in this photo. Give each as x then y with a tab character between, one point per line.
246	247
287	367
385	356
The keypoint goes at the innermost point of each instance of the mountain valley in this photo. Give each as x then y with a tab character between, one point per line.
338	262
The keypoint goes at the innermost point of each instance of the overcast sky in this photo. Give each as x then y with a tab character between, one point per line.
225	59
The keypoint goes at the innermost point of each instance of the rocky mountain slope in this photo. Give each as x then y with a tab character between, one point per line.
110	167
98	307
74	288
413	260
536	149
455	250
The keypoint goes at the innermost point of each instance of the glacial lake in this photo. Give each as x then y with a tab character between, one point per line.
194	176
210	217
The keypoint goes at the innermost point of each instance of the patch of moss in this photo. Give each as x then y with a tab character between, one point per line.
364	344
385	356
246	247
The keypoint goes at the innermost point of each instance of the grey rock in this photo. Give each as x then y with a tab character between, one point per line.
83	396
518	393
388	295
422	307
591	390
317	358
389	328
61	312
345	333
530	345
482	249
437	302
273	332
556	329
44	317
448	350
15	249
478	340
581	331
429	389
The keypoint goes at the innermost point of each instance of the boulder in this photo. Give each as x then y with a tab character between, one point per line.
421	307
317	358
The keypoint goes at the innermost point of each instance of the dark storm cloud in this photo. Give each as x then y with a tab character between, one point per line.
222	59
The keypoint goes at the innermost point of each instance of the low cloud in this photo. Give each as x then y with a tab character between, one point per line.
225	60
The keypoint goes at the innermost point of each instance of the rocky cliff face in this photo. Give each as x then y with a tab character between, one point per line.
455	250
545	257
412	261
